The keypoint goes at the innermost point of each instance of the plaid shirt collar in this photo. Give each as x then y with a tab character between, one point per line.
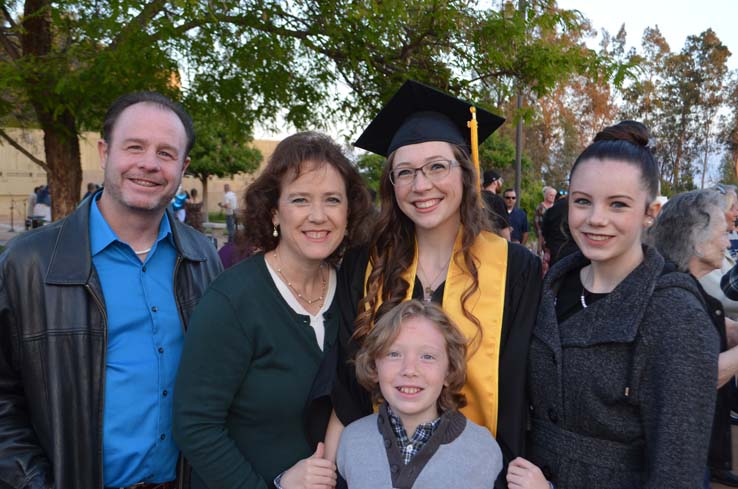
410	447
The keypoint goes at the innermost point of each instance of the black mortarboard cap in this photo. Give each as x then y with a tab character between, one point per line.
418	113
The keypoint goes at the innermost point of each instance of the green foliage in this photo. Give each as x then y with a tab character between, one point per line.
370	167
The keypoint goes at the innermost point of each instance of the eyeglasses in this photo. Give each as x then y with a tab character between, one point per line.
433	170
510	197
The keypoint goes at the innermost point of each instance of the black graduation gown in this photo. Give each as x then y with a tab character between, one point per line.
522	293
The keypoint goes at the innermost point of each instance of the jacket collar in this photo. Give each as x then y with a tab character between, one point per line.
71	260
613	319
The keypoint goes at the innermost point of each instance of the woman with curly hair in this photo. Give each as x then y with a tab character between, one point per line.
434	243
258	336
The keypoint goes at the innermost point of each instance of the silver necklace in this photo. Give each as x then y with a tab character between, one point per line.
581	296
143	252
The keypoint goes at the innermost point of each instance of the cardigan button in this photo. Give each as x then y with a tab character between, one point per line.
394	468
553	415
718	312
387	443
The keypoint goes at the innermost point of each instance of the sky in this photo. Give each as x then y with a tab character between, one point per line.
676	19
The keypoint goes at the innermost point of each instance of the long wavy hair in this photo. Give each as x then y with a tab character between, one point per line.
392	248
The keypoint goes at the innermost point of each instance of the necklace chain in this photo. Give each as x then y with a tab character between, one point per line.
143	252
310	302
429	289
581	296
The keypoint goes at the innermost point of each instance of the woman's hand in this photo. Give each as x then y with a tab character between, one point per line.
524	474
311	473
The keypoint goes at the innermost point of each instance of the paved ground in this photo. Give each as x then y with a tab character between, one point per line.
735	457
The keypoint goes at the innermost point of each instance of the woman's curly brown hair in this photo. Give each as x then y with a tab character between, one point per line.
386	331
393	248
288	161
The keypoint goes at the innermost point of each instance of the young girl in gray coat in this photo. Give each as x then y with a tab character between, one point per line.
415	361
623	361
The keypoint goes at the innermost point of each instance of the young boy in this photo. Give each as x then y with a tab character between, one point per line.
415	361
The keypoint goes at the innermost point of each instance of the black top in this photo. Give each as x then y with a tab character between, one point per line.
496	210
569	296
522	292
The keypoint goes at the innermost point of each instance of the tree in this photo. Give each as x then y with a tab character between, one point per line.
370	167
65	61
219	152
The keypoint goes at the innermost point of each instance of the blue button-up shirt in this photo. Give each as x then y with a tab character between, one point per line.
145	338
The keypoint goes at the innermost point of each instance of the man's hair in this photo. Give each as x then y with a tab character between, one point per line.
155	98
386	331
508	190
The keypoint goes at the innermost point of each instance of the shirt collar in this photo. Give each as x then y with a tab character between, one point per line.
101	234
399	429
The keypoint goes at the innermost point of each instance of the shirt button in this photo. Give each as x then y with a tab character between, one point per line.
143	269
163	436
164	393
154	309
161	350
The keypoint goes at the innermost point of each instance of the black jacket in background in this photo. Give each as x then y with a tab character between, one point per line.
53	343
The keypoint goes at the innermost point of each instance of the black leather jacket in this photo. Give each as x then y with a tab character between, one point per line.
53	342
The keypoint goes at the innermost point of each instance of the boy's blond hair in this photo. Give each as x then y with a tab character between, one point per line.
387	329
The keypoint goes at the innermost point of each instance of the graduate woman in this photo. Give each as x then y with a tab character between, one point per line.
623	360
433	243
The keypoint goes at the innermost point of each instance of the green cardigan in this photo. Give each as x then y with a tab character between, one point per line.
247	367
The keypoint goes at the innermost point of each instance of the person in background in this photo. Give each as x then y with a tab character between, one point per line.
178	204
91	189
494	204
549	197
260	333
42	208
691	233
517	217
624	359
230	206
93	311
555	230
711	281
414	362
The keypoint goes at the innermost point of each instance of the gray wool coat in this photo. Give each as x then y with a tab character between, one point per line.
623	392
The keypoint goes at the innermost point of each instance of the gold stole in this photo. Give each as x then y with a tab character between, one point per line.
482	368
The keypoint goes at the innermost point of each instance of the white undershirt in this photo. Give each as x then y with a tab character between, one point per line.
317	321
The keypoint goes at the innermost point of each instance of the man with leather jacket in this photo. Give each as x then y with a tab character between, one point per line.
93	310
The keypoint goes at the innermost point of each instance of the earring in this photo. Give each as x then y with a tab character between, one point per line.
275	233
650	221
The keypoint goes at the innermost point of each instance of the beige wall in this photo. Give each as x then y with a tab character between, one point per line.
19	175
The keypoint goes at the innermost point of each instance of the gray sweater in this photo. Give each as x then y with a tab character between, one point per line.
459	454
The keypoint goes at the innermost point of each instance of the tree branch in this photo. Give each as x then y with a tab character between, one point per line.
23	150
8	17
139	22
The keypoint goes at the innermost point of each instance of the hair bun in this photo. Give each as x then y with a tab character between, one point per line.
631	131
